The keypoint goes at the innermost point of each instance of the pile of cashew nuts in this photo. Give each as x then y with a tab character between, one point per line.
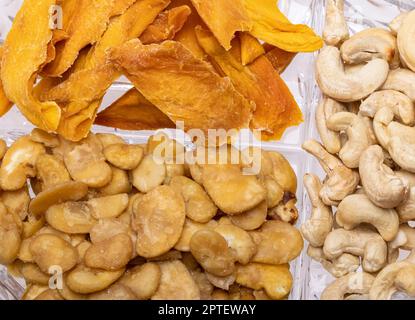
366	125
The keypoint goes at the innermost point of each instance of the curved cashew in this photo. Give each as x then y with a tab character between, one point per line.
382	186
316	229
406	210
341	181
348	87
399	276
336	29
402	106
396	138
402	80
369	44
405	240
338	267
406	40
396	23
353	283
360	242
357	209
331	139
359	136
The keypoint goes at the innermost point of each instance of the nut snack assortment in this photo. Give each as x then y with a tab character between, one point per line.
365	121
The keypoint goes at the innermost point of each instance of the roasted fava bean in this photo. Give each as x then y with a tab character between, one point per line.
124	156
50	250
189	229
199	207
108	139
111	254
33	290
49	140
10	236
211	250
51	171
119	183
173	170
251	219
158	219
149	174
109	206
32	274
17	202
115	292
143	280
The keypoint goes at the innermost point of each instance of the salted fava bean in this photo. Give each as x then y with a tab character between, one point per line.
158	220
68	294
108	139
277	243
116	292
286	210
24	253
10	236
33	290
17	202
149	174
71	217
51	171
49	295
32	224
86	162
176	283
230	190
163	147
124	156
49	140
171	255
196	172
238	239
82	248
143	280
275	280
173	170
219	294
211	250
67	191
107	228
108	207
3	148
189	229
32	274
86	280
251	219
111	254
204	285
120	183
199	207
50	250
19	163
275	193
282	172
221	282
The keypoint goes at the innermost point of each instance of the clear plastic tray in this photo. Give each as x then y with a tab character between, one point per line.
309	277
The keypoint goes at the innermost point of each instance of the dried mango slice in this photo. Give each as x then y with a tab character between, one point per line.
183	87
57	36
251	48
279	58
120	6
82	92
271	26
166	25
87	25
187	35
5	104
133	112
25	51
224	18
276	108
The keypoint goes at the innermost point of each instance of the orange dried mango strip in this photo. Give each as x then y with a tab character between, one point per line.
280	59
82	93
183	87
86	26
25	51
120	6
5	104
259	83
166	25
251	48
224	18
133	112
187	35
271	26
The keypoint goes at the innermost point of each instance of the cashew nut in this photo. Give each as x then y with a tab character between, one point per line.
320	224
357	209
402	80
396	23
348	87
359	137
369	44
339	267
406	40
401	104
331	139
360	242
406	210
341	181
382	186
353	283
336	29
399	276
